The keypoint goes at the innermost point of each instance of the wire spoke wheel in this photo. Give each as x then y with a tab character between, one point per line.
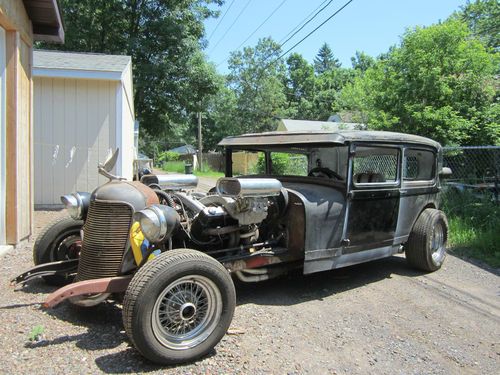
186	312
178	306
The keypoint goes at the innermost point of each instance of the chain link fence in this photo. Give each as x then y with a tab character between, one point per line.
475	169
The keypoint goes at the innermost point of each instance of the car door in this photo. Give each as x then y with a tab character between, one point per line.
373	197
419	187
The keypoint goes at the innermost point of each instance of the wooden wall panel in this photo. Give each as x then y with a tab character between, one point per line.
24	202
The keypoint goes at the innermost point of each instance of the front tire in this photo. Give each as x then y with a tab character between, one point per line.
426	246
60	240
178	306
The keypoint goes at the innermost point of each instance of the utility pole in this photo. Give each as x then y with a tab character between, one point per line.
200	144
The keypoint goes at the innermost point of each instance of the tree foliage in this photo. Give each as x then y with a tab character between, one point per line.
256	77
438	83
325	60
164	40
483	18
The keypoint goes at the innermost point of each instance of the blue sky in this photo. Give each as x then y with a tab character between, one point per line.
371	26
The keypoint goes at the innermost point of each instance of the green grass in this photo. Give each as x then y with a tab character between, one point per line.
173	166
481	243
207	172
36	333
178	167
474	227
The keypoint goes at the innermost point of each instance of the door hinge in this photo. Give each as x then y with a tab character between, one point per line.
345	242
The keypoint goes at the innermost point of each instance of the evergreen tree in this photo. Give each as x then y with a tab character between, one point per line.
324	60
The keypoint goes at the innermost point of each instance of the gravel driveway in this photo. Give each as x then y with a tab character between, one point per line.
379	317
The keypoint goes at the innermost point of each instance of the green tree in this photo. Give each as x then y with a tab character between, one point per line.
222	118
329	86
299	87
361	61
438	83
483	18
164	39
325	60
256	76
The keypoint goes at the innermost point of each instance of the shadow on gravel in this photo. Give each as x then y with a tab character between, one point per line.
103	322
104	331
35	287
300	288
130	361
105	327
18	305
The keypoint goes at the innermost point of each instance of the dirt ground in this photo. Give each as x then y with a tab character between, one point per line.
377	318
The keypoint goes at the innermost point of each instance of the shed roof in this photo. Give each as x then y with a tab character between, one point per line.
307	125
184	150
80	61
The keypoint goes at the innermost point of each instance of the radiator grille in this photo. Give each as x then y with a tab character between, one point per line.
105	237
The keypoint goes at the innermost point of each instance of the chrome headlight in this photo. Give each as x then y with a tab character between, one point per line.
77	204
157	222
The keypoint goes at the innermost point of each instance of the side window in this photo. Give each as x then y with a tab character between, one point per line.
420	165
375	165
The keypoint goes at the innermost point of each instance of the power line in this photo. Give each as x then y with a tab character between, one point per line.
301	22
220	20
305	24
257	29
231	26
313	31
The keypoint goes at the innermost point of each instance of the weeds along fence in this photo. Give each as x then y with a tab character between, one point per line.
473	164
474	168
471	201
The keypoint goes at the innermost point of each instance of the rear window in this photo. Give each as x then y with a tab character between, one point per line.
419	165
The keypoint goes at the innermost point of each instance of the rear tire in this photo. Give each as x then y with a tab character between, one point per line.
426	246
58	241
178	306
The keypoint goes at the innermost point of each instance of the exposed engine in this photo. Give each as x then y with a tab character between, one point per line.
231	216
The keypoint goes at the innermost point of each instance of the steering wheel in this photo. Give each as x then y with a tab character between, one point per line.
324	172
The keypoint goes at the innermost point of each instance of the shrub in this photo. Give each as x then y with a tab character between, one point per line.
168	156
474	223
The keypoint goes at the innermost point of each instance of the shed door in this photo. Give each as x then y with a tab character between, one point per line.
2	135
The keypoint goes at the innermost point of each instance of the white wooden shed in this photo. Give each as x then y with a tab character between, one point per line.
83	107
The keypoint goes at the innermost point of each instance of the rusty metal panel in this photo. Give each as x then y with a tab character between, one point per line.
104	285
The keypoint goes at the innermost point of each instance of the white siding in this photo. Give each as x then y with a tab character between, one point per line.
75	126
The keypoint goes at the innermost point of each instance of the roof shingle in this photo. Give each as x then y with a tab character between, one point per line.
79	61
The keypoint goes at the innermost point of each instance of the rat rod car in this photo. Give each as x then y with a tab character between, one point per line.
314	201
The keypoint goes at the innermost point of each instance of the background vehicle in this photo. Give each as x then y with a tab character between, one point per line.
317	201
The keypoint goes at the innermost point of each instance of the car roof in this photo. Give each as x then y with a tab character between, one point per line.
308	138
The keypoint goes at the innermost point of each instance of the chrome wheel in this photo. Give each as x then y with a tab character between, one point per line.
438	248
186	312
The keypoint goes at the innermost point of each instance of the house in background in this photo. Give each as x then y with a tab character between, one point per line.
21	23
306	125
83	108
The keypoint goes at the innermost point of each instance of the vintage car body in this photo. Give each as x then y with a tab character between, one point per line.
341	198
